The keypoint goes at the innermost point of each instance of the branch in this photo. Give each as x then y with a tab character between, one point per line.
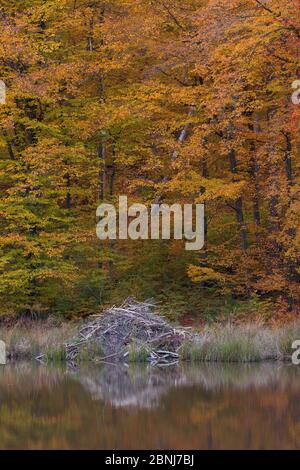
273	13
173	78
276	15
231	207
172	16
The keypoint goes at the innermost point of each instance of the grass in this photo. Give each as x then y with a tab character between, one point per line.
229	350
215	343
27	340
56	355
138	352
241	344
286	337
90	352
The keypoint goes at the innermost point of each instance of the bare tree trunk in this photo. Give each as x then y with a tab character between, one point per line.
205	175
288	163
102	169
184	132
68	196
9	147
253	171
273	184
290	264
182	137
112	180
238	205
90	38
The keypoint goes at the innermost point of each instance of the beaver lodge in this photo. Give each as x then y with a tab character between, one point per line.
132	332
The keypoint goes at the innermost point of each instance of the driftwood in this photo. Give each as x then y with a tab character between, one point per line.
133	324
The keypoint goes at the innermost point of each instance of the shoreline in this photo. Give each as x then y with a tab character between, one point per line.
215	343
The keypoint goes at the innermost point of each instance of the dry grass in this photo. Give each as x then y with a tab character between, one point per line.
248	343
28	340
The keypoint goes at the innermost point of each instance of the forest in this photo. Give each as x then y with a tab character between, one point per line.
177	101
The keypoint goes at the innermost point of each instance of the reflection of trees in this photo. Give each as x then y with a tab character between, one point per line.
144	386
209	406
25	378
203	406
32	407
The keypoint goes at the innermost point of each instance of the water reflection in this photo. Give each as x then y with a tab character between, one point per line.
193	407
144	386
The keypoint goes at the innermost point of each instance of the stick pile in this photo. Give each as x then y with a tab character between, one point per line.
133	323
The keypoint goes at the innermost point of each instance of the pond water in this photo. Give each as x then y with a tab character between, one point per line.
206	406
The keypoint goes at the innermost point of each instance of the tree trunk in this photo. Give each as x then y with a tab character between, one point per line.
238	205
102	169
253	171
205	175
68	196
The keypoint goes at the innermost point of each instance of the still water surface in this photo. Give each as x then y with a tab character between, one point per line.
208	406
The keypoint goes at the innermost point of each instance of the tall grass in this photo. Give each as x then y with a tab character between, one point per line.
92	351
138	352
241	344
29	340
247	343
